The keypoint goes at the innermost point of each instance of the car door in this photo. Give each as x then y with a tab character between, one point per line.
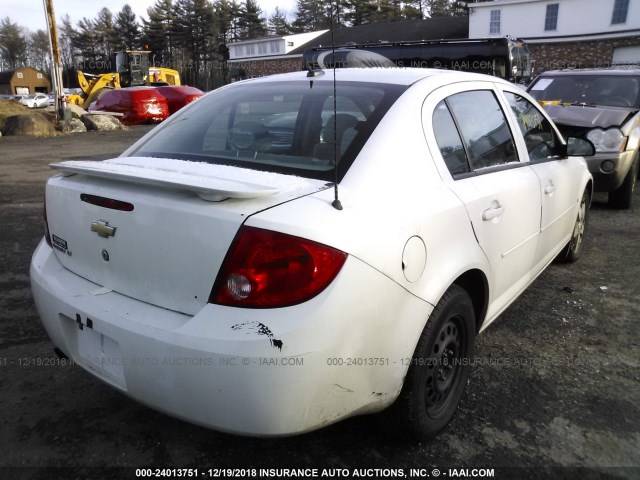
557	176
500	191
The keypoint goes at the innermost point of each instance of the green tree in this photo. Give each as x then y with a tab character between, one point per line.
227	14
85	40
251	22
311	15
415	9
39	50
107	38
66	33
195	36
278	23
359	12
440	8
13	44
158	31
127	29
461	7
389	11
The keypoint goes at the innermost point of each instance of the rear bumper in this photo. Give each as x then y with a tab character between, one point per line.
254	372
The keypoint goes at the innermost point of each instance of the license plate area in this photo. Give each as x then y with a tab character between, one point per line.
95	351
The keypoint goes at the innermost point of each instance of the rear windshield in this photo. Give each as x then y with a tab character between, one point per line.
606	90
284	127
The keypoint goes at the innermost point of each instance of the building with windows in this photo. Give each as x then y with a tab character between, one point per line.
254	58
24	81
266	56
565	33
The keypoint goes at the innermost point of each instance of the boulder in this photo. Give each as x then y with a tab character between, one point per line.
31	125
74	125
101	122
76	111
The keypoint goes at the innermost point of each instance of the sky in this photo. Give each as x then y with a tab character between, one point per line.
30	13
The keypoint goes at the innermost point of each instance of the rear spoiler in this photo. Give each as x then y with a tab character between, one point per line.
206	185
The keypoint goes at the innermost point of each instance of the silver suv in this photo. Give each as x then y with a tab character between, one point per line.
602	106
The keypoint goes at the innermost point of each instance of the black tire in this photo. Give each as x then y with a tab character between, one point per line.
622	197
439	369
573	250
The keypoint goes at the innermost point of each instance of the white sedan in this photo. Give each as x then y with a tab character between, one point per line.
38	100
289	251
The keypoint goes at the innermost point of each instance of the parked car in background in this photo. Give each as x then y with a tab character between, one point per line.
287	252
38	100
602	106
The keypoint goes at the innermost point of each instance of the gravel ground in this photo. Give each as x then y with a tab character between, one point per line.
555	392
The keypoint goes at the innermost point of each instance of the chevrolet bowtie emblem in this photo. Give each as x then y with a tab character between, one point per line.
103	229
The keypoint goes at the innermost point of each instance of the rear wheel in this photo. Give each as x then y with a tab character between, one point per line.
573	250
622	197
439	368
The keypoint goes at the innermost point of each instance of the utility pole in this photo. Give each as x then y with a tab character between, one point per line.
56	65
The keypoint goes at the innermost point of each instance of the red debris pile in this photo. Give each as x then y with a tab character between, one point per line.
179	96
137	104
146	104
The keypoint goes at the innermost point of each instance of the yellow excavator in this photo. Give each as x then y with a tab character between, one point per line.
132	70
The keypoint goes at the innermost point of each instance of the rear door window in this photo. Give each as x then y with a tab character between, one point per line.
481	130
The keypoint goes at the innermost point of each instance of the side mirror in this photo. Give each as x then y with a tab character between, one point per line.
580	147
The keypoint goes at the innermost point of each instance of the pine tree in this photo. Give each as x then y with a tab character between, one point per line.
65	36
311	15
127	29
389	11
251	23
39	56
226	15
359	12
440	8
13	44
158	32
414	9
278	24
107	38
195	35
85	40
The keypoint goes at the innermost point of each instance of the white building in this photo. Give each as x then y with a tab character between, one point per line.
572	33
267	55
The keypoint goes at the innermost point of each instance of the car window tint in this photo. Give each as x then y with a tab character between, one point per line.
342	124
285	127
449	140
484	129
539	136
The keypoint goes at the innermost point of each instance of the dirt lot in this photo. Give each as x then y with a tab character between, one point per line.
556	382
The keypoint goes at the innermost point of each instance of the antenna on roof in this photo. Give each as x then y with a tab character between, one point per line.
336	201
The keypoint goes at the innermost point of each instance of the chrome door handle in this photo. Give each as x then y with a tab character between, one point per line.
492	212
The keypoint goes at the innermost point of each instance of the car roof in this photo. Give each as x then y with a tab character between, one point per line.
389	75
594	71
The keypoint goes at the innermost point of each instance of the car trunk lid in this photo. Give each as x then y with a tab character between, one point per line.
168	247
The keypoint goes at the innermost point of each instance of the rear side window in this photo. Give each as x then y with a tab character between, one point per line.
539	136
483	127
449	140
285	127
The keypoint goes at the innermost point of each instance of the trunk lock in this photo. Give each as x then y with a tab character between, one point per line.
105	255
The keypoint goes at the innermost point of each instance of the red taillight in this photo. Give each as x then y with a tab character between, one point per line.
266	269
